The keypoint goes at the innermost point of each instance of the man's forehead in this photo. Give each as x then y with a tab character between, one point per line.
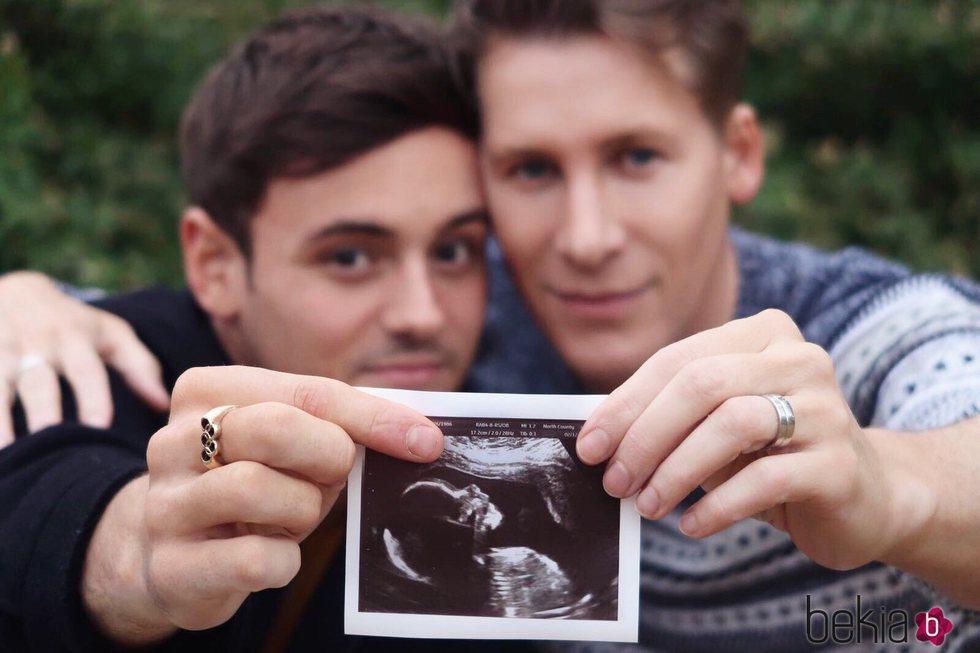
421	182
533	89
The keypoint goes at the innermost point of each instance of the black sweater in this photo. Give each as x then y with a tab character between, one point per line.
55	484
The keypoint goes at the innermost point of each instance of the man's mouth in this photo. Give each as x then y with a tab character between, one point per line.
407	371
599	303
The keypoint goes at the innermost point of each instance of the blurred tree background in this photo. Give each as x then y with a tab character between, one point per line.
870	109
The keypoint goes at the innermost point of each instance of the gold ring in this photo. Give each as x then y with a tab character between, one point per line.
210	432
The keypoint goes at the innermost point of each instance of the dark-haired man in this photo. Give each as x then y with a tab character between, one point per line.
315	244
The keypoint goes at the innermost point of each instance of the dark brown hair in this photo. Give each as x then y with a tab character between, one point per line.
712	36
308	92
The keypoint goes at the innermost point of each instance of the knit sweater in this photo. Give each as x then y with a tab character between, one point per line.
906	350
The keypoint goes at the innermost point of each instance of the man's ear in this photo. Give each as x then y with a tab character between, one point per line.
215	268
746	155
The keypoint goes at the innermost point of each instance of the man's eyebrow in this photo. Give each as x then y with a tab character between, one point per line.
375	230
631	137
348	227
510	152
476	215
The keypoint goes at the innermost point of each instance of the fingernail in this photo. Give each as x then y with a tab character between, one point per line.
423	441
648	502
593	446
689	524
617	480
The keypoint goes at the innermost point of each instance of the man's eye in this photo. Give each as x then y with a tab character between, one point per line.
637	158
348	259
533	170
457	252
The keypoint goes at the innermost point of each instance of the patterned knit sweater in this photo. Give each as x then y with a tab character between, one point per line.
907	353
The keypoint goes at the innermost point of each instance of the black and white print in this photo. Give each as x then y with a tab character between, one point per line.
507	525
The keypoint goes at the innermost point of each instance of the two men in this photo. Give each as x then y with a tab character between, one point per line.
612	147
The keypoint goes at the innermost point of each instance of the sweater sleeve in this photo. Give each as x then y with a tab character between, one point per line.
54	486
911	359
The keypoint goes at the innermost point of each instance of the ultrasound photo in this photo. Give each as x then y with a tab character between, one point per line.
506	536
507	523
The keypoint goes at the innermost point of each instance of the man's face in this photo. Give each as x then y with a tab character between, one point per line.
609	190
372	273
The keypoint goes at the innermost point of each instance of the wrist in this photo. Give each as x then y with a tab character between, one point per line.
934	513
114	590
913	507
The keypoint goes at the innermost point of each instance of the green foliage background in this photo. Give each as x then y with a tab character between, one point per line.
870	108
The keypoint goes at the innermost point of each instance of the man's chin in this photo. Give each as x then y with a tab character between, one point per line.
604	362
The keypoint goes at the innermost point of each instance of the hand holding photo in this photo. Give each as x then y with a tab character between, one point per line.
506	536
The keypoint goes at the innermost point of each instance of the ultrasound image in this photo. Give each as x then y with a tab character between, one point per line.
499	526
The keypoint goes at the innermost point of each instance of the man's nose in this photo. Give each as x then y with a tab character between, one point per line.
589	235
413	308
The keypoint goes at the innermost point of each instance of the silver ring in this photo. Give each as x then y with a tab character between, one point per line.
29	361
786	421
210	432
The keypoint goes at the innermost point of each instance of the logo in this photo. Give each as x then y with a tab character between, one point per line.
882	627
933	626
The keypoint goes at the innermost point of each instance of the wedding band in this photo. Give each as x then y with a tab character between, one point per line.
29	361
786	421
210	432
